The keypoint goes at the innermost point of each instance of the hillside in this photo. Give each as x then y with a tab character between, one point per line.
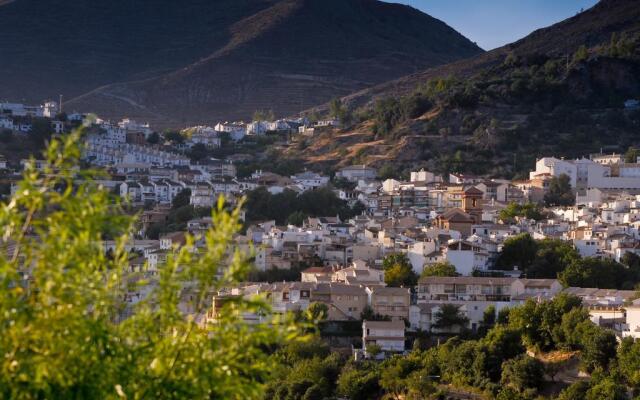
173	64
559	91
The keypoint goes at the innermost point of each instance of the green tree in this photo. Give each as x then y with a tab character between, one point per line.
519	250
198	152
577	390
398	271
522	373
41	130
174	137
489	316
359	382
449	316
629	361
388	171
264	115
444	268
598	347
538	321
182	199
596	272
560	193
154	138
64	335
553	257
608	389
403	377
581	54
297	218
514	210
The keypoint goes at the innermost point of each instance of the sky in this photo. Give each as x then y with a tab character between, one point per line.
493	23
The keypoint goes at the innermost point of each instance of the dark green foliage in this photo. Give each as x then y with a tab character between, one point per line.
598	347
173	137
449	317
288	206
182	199
340	112
629	361
198	152
536	259
538	322
599	273
368	315
310	378
523	373
518	251
560	192
276	275
388	113
489	317
608	389
359	382
552	257
41	130
388	171
577	390
154	138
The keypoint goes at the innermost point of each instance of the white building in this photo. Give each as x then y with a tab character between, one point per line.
236	131
389	335
309	180
354	173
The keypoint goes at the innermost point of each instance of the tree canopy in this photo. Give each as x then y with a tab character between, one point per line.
444	268
398	271
63	333
560	192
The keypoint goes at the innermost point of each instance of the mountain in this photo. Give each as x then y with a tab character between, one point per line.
559	91
199	61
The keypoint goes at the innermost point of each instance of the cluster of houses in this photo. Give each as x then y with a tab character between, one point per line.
358	292
429	218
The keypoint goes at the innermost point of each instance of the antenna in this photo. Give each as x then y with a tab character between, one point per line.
60	105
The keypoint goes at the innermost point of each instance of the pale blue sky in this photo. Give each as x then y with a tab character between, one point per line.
493	23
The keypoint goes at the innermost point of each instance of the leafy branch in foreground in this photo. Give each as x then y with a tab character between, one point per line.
62	334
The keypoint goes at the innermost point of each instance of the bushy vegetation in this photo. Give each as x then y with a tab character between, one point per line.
552	258
444	268
398	271
62	334
289	207
528	211
497	121
495	365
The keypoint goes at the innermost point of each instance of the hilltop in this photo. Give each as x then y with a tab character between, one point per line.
559	91
174	63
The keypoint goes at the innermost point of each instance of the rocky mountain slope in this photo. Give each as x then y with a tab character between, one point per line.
199	61
559	91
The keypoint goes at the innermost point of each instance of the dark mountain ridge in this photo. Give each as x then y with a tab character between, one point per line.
201	61
589	28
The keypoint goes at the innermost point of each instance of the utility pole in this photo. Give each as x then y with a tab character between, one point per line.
60	105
